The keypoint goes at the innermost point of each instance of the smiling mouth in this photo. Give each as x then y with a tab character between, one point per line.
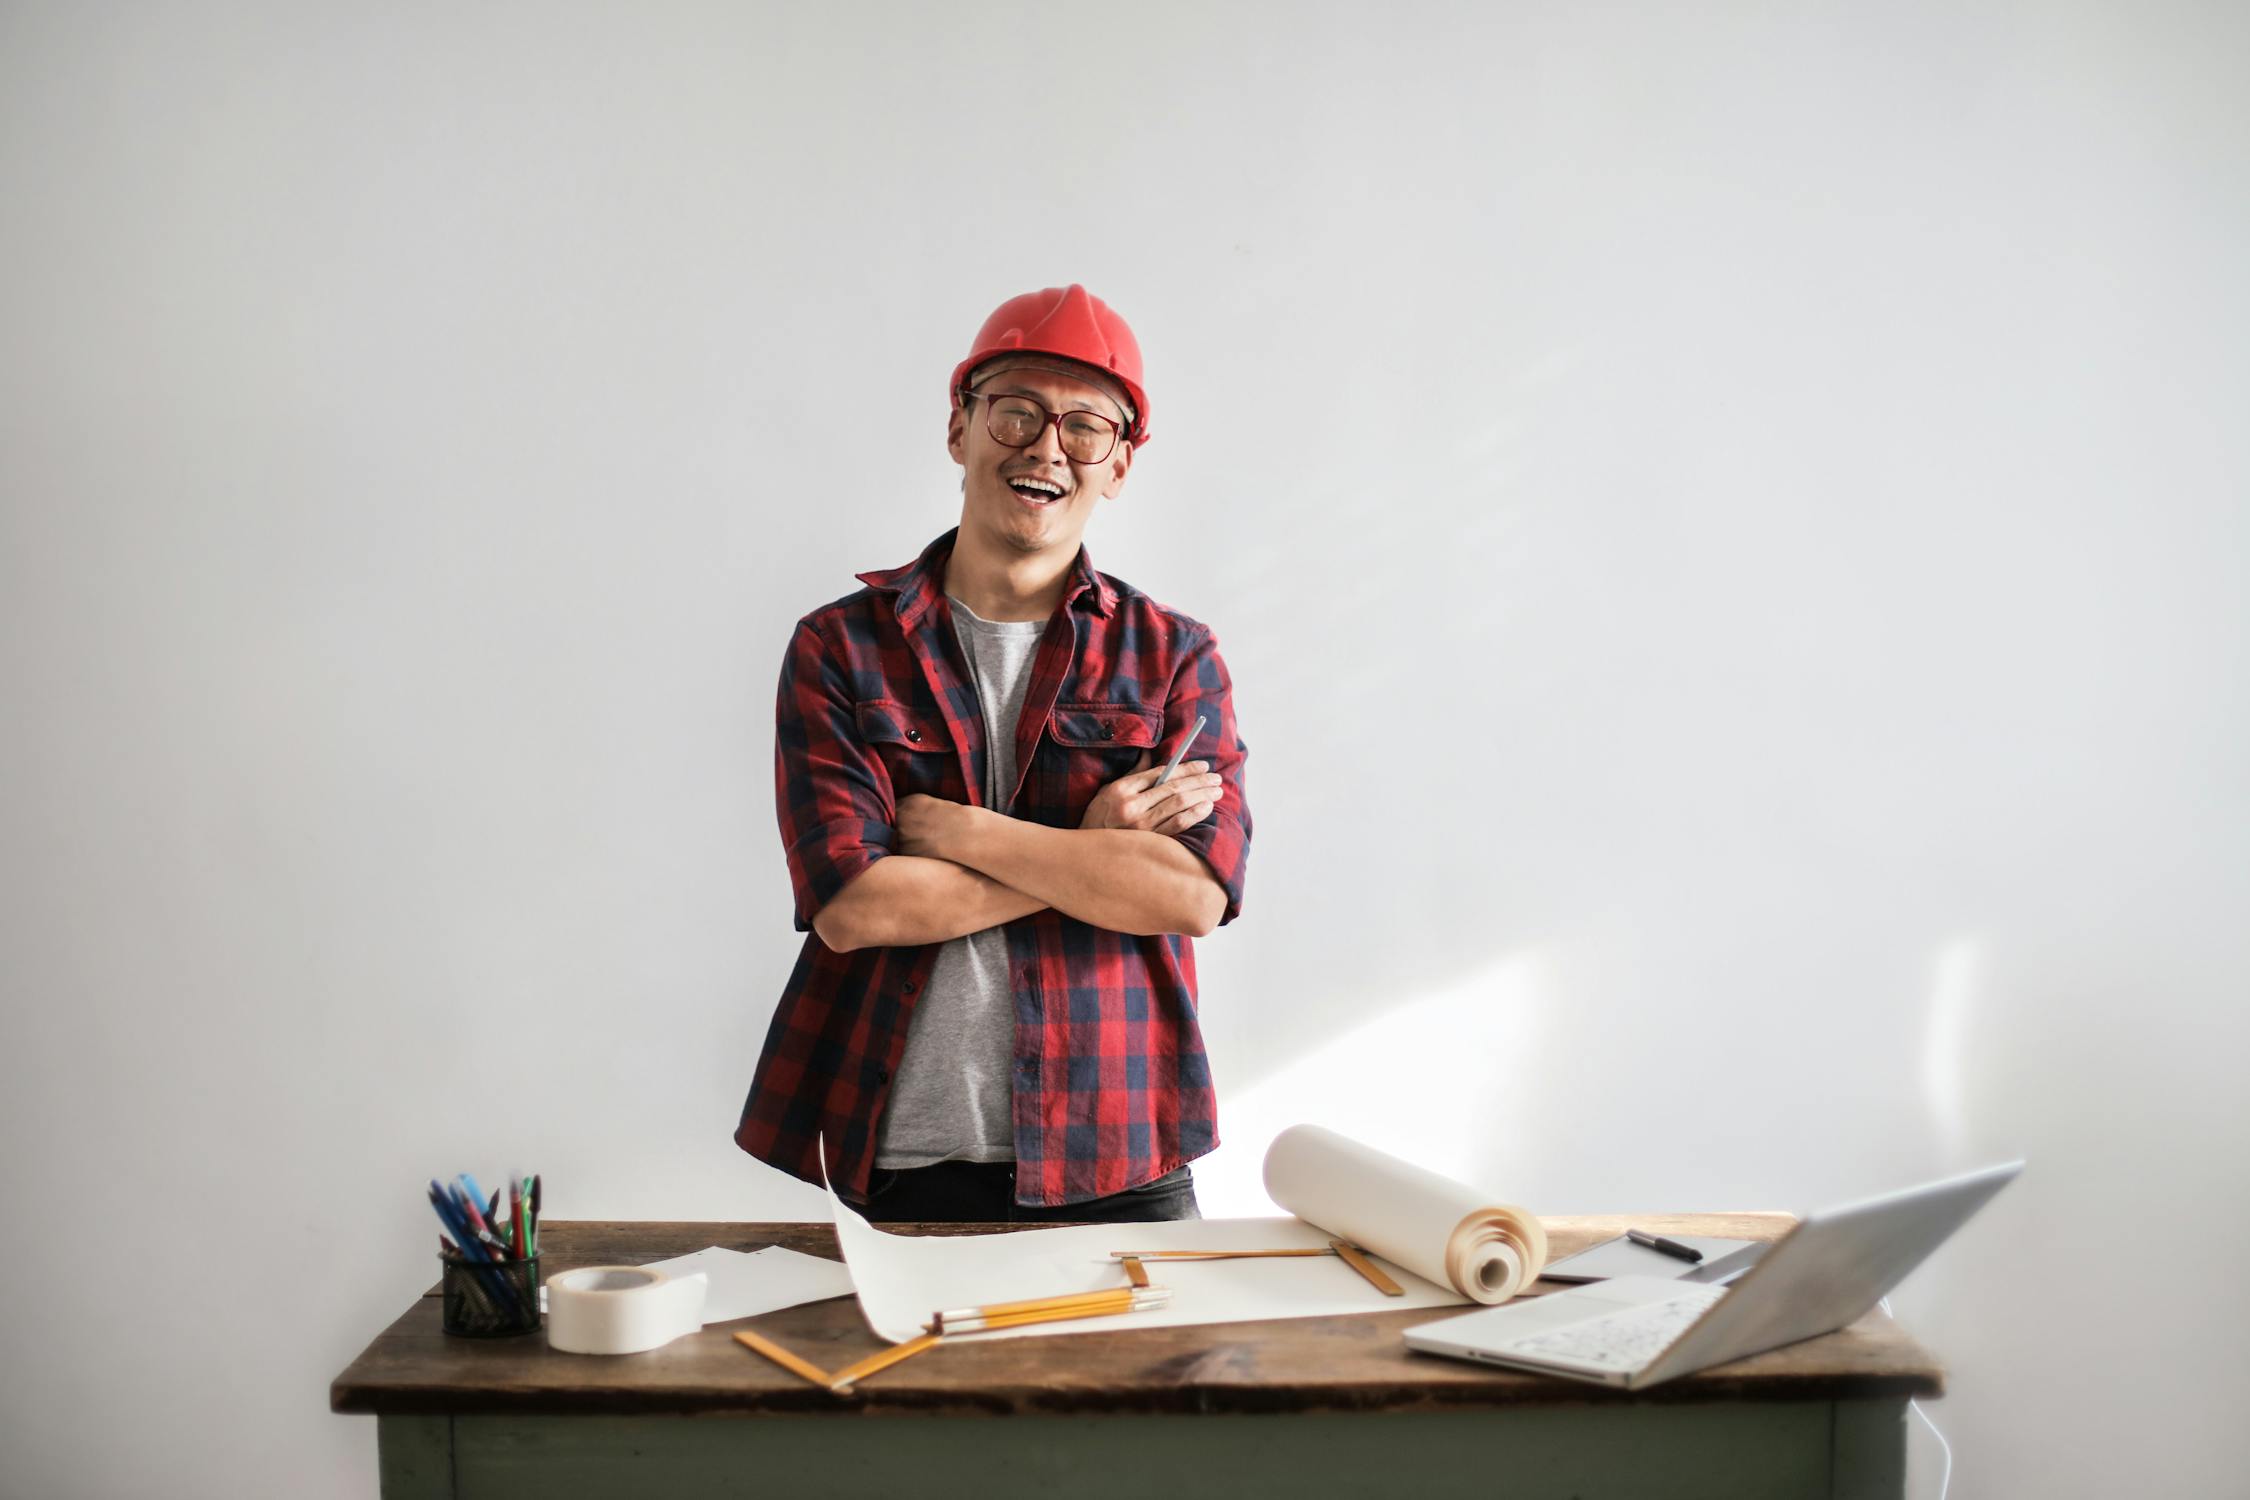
1037	493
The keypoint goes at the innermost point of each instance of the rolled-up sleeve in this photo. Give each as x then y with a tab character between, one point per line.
832	793
1202	686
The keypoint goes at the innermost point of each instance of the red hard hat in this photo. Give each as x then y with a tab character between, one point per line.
1073	323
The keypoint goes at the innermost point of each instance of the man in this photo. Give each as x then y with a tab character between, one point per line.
994	1013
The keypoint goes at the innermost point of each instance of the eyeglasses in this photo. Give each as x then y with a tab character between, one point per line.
1016	422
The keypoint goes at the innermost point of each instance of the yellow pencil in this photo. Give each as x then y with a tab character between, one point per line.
1033	1305
1208	1254
883	1361
1123	1299
783	1357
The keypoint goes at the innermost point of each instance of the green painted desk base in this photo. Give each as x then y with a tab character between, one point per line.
1835	1450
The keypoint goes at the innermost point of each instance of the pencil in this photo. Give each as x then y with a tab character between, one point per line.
1208	1254
1125	1299
1034	1304
783	1357
842	1380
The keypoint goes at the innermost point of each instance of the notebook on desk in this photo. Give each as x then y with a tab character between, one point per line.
1635	1331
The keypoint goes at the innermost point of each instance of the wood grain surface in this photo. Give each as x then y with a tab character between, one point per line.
1355	1363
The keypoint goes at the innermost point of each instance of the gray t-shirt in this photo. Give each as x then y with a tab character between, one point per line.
953	1096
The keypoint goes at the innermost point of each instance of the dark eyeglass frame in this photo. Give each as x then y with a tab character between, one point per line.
1053	419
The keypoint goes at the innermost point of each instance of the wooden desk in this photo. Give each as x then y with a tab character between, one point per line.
1300	1407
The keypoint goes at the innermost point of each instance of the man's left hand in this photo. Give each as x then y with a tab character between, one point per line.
928	826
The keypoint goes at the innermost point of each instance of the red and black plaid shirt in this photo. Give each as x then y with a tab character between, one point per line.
1112	1088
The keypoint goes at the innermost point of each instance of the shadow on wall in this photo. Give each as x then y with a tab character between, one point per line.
1407	631
1462	1060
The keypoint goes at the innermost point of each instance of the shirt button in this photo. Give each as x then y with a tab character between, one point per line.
914	736
883	1076
1109	731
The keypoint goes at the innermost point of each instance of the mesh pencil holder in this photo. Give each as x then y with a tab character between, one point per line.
489	1301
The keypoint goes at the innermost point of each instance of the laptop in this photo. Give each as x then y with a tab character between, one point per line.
1636	1331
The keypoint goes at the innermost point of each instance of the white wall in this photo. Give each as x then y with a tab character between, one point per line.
1728	523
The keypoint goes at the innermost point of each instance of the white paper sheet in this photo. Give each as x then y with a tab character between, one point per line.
905	1278
746	1283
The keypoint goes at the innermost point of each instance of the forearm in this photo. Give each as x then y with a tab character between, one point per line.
904	900
1119	878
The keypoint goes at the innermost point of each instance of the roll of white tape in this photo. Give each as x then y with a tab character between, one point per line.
621	1309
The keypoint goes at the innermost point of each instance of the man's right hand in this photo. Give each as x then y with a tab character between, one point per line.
1135	801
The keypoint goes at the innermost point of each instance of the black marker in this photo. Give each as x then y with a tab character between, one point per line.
1672	1248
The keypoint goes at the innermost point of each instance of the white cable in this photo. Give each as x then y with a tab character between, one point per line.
1945	1475
1945	1480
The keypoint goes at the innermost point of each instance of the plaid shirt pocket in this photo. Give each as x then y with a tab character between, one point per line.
1088	746
914	747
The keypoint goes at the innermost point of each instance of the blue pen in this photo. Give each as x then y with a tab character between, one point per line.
452	1230
494	1276
483	1250
476	1200
449	1212
464	1243
465	1201
472	1249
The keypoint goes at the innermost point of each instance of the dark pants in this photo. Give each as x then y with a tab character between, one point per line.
980	1192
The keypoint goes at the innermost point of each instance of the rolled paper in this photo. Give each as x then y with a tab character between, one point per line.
1441	1230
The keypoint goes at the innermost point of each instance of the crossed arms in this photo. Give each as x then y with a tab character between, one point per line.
962	869
872	870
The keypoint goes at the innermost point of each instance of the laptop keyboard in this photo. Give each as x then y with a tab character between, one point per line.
1624	1340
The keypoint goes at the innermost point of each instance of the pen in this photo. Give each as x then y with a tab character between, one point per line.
1672	1248
1174	763
449	1214
471	1249
471	1215
452	1225
476	1194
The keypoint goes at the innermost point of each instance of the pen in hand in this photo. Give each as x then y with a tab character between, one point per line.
1672	1248
1174	763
